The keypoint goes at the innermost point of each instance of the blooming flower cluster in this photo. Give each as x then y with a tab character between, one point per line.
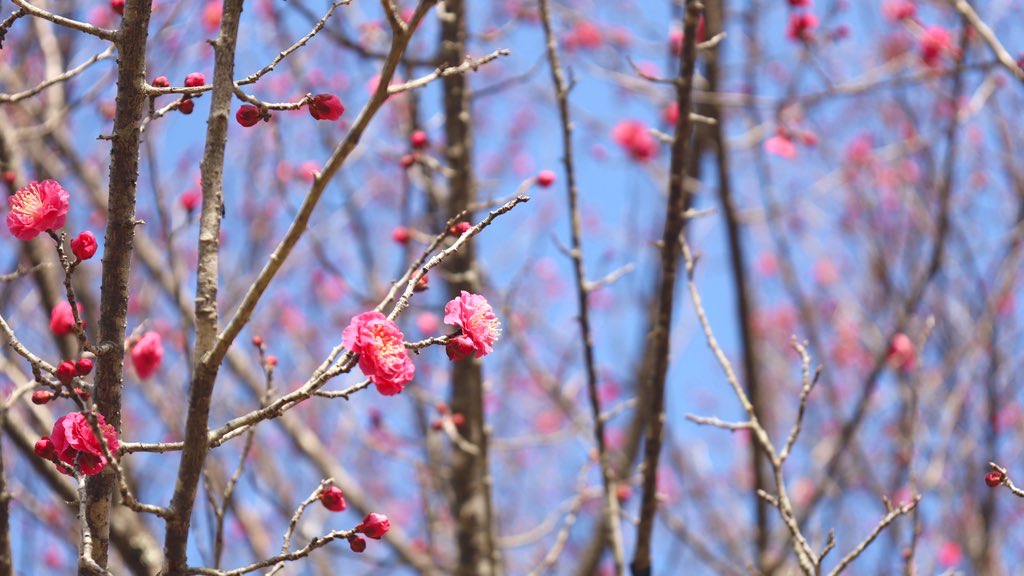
380	344
381	348
480	327
36	208
73	442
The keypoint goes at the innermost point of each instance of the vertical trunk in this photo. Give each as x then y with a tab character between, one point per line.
117	255
6	561
470	480
204	374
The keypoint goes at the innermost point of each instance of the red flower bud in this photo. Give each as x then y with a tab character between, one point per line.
40	397
401	235
459	420
82	393
66	372
994	478
195	79
271	361
422	284
190	199
419	140
357	543
44	449
257	341
84	246
459	228
161	82
83	366
248	115
326	107
117	6
623	492
333	499
545	178
374	525
9	177
406	161
186	106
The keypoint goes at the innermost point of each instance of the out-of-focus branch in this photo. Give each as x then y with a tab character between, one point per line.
18	96
986	33
110	35
611	500
660	335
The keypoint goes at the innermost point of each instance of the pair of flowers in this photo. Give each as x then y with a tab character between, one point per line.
381	344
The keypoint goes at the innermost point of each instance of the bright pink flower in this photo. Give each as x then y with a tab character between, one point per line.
935	42
634	138
374	525
326	107
147	354
474	315
62	321
77	444
801	26
36	208
780	146
381	348
84	246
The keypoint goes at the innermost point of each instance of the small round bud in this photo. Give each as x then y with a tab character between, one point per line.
82	393
545	178
83	366
40	397
271	361
44	449
161	82
406	161
459	228
419	140
374	525
459	420
66	372
257	341
401	235
187	106
333	499
357	543
248	115
423	284
994	478
9	177
195	80
117	6
84	246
